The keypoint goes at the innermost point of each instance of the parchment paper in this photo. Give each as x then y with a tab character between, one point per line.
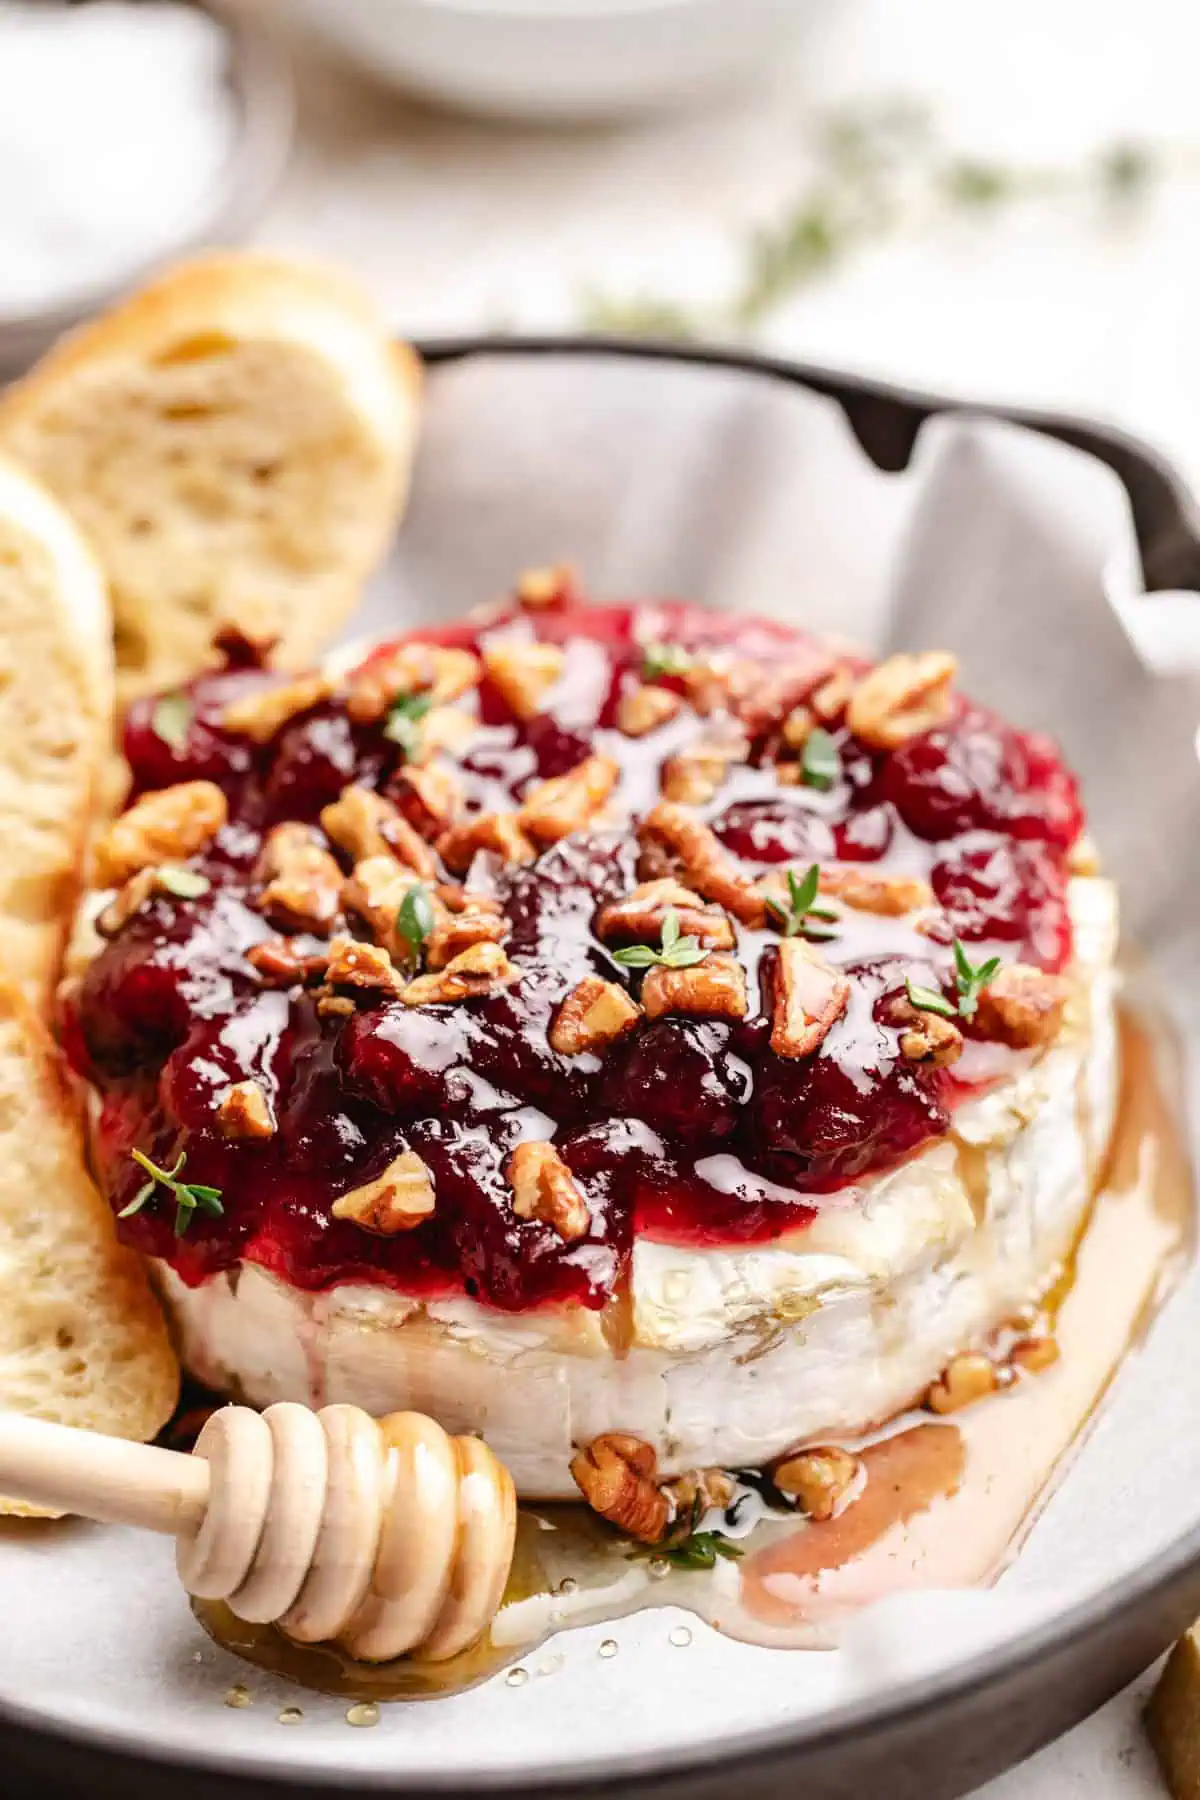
740	492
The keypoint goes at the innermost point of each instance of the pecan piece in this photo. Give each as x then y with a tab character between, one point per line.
594	1014
364	824
713	989
901	698
304	883
547	590
818	1479
430	797
617	1476
925	1037
457	932
265	712
868	891
707	864
499	832
167	825
399	1199
365	966
544	1189
280	962
830	699
448	728
483	969
523	672
1022	1006
375	893
810	997
693	777
967	1377
566	803
245	1112
638	918
698	1491
798	727
430	669
643	709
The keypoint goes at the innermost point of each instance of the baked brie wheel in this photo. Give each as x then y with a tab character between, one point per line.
588	1020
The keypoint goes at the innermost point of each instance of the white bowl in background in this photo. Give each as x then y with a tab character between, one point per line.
559	59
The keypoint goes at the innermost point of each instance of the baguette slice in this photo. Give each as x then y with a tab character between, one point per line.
82	1338
235	442
55	724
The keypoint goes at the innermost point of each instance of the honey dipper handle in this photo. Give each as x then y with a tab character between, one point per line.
107	1478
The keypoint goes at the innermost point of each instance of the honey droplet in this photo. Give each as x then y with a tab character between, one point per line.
568	1585
658	1568
363	1712
516	1678
238	1695
291	1715
608	1647
680	1636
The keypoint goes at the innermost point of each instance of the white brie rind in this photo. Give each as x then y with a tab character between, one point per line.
734	1355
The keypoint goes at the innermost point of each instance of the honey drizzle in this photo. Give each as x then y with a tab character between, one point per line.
947	1503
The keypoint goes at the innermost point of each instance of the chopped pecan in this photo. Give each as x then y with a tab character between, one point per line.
1022	1006
457	932
693	777
901	698
617	1474
1033	1354
778	687
303	892
547	590
367	966
719	682
166	825
698	1491
363	824
264	712
245	1112
280	962
966	1377
544	1189
638	918
523	672
712	989
399	1199
499	832
643	709
456	898
375	893
818	1479
566	803
830	699
448	728
708	866
483	969
430	797
430	669
592	1016
810	997
128	900
925	1037
867	891
798	727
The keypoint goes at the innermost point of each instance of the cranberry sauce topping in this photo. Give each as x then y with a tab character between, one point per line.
681	1119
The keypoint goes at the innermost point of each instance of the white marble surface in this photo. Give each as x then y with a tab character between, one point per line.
462	226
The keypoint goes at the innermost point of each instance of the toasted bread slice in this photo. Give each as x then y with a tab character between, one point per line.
82	1338
235	442
55	724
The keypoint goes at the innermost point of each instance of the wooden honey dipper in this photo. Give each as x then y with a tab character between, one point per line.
387	1536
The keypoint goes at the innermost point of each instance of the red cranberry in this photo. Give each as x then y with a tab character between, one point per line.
774	831
678	1077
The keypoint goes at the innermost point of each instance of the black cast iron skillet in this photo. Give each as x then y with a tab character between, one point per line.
934	1740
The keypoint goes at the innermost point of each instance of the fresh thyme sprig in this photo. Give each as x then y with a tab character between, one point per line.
171	720
404	722
799	912
676	952
415	920
184	884
190	1196
969	981
820	760
699	1550
665	659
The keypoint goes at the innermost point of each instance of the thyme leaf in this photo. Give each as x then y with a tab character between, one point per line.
820	760
190	1196
797	915
676	952
171	720
414	920
404	722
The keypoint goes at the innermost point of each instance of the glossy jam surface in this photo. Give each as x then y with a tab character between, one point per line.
690	1129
